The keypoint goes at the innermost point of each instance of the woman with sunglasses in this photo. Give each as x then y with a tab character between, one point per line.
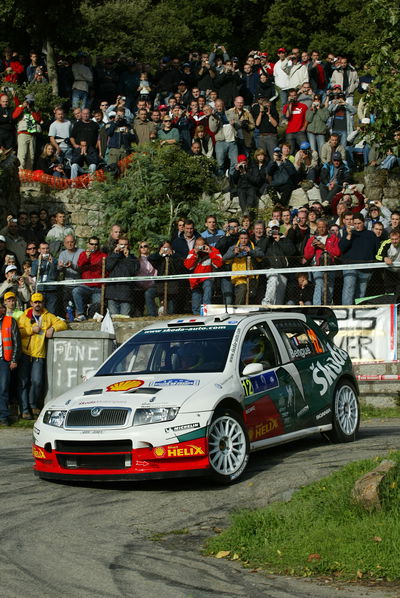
168	135
145	292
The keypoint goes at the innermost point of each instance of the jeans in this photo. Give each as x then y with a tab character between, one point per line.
295	138
350	151
76	169
316	141
149	296
328	194
268	143
275	291
201	293
226	290
5	374
82	295
119	307
31	371
318	278
223	149
51	301
80	98
354	285
283	95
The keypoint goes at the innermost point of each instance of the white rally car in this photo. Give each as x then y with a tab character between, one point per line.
196	395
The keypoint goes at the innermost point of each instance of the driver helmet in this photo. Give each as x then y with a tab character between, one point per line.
190	356
253	349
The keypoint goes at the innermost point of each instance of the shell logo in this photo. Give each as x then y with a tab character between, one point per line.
125	385
159	451
38	453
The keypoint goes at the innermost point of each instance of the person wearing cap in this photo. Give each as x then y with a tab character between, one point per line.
333	175
10	352
27	119
83	79
346	76
15	284
248	181
280	76
36	325
374	212
278	253
306	162
10	302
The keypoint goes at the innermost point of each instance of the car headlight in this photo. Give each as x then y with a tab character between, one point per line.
54	418
154	415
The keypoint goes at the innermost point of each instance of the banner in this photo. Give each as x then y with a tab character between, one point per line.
368	333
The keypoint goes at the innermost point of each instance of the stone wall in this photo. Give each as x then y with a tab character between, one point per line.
84	214
383	185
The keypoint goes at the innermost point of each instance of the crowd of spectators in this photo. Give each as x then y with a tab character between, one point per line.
209	104
34	252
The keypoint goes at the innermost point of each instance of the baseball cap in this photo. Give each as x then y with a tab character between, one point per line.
305	145
235	59
277	150
37	297
241	158
10	267
281	50
163	107
2	239
112	113
9	294
273	224
264	54
336	156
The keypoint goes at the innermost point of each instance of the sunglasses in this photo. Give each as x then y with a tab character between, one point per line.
167	120
31	248
144	247
93	243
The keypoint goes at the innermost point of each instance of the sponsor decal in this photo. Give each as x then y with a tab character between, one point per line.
96	411
175	382
323	413
183	427
265	428
38	453
124	386
87	402
183	329
325	374
303	352
303	411
259	383
174	450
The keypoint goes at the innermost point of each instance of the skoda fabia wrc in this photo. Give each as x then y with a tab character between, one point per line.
197	395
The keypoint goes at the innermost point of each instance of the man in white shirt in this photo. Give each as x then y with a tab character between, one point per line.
281	78
59	131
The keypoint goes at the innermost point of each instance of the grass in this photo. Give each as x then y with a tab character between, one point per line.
321	532
369	411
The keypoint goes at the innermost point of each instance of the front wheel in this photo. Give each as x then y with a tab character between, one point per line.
228	446
346	413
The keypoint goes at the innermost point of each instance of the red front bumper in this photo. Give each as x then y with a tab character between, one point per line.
172	460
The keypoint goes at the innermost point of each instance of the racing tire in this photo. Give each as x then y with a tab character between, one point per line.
228	446
345	413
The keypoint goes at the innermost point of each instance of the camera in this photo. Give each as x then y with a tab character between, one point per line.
202	247
45	256
242	166
245	124
165	250
121	246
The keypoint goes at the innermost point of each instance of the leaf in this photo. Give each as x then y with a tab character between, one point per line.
377	539
359	574
222	554
314	557
235	557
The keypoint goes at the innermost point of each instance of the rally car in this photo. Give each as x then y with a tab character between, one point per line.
196	395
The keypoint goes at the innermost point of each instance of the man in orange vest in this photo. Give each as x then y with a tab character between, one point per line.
10	350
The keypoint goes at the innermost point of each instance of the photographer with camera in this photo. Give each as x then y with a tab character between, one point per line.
15	284
202	258
243	122
248	180
120	263
322	249
278	253
266	120
317	117
28	119
120	137
306	162
228	83
243	255
374	212
346	77
282	176
295	113
44	269
341	112
225	138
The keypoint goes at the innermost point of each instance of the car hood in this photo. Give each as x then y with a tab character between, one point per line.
168	390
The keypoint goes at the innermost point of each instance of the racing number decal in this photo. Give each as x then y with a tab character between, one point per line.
247	387
314	339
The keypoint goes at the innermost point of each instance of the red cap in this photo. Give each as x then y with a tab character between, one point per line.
281	50
241	158
163	107
265	54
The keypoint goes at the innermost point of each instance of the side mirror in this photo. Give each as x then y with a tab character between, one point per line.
253	368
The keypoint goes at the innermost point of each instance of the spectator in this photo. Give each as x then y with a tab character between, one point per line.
7	126
317	74
67	265
120	263
243	255
223	244
281	176
333	175
357	145
201	259
306	163
4	260
59	134
15	243
346	77
375	212
279	250
317	117
85	130
389	252
300	291
296	71
10	351
250	81
15	284
120	137
12	69
358	245
227	83
24	228
281	77
83	156
44	269
48	162
225	138
185	241
121	103
112	241
168	135
56	235
35	325
145	290
266	120
295	113
83	79
330	147
167	263
265	88
322	249
28	119
212	234
350	197
341	112
248	181
184	125
90	266
32	67
206	144
145	129
305	95
242	120
10	303
394	222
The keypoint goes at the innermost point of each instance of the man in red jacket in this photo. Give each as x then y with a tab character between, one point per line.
322	249
202	258
90	264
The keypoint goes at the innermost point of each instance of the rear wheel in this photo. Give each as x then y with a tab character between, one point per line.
228	446
345	413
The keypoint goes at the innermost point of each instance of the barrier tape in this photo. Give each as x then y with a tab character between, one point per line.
222	274
378	378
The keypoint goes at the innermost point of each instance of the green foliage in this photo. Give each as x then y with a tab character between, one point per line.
161	184
321	531
45	101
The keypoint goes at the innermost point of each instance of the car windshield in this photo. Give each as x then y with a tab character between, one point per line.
171	351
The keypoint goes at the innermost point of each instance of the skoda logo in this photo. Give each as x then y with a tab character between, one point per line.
96	412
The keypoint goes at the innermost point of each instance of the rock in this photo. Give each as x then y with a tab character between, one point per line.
365	491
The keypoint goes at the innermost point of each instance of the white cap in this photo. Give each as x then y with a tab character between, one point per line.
10	267
273	223
2	239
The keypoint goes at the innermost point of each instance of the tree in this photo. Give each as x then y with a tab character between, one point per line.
161	184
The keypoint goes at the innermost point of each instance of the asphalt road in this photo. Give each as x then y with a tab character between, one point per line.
65	540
